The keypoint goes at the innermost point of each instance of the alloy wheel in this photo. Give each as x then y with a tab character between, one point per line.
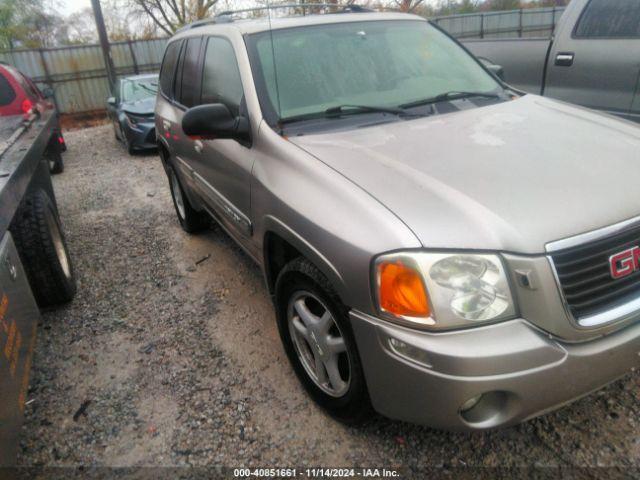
319	343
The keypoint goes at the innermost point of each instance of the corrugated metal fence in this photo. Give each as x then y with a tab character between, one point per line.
77	73
538	22
78	77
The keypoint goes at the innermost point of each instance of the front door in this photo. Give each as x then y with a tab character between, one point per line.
222	168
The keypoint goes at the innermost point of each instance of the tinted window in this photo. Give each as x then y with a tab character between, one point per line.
610	19
168	68
177	86
190	85
7	95
221	81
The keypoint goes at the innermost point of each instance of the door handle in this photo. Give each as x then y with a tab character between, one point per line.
564	59
197	146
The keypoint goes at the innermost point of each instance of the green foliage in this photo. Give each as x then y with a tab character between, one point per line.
26	23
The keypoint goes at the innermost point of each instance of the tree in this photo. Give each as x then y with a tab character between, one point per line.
408	5
503	4
169	15
27	23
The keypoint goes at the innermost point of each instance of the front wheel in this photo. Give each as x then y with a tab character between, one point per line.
319	342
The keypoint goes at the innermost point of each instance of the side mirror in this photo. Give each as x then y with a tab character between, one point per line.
214	121
48	93
111	101
497	70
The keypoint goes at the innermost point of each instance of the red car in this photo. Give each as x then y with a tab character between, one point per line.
20	96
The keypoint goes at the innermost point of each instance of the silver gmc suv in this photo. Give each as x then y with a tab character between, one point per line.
438	246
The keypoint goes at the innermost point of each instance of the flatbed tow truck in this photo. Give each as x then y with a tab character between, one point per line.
35	267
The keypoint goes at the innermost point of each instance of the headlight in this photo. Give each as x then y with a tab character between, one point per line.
133	120
442	290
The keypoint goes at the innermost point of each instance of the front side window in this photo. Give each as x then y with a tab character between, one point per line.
167	72
137	89
610	19
221	82
384	63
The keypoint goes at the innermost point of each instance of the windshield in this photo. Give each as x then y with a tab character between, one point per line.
139	88
381	63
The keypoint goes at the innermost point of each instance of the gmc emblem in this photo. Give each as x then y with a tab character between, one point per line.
625	263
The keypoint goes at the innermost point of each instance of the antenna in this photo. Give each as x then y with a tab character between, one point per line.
273	56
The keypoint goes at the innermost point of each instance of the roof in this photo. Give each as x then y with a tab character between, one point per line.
263	24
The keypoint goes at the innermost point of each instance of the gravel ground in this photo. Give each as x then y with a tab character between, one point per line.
160	361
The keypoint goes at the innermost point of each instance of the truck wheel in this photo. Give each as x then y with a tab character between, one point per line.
190	220
54	157
43	251
319	342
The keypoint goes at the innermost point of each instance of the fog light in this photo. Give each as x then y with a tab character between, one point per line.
469	404
409	352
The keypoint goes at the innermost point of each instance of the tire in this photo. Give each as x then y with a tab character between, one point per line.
43	251
125	141
190	219
298	281
54	157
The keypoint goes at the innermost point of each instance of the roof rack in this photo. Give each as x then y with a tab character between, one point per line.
227	16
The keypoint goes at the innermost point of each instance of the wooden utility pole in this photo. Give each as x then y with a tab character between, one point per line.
104	42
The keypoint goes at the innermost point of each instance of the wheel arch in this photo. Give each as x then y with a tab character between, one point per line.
281	244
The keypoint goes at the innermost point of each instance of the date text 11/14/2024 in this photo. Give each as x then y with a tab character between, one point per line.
316	472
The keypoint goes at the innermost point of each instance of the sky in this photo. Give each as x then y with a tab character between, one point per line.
70	6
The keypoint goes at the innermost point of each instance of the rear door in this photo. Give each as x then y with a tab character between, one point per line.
187	95
167	114
595	59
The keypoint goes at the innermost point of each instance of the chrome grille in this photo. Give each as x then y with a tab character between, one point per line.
585	278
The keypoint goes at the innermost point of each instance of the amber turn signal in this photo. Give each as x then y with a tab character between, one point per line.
401	290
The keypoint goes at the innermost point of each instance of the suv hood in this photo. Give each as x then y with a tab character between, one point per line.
511	176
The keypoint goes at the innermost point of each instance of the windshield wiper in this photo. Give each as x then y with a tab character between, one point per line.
149	89
341	110
355	109
453	95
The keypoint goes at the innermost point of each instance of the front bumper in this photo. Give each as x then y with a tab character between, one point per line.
142	136
520	371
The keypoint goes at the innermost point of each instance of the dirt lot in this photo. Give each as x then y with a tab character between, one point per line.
162	360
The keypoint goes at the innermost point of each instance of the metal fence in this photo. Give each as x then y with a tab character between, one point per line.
78	76
77	73
538	22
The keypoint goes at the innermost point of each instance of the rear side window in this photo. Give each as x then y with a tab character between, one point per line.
32	87
221	82
7	94
190	87
167	72
610	19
